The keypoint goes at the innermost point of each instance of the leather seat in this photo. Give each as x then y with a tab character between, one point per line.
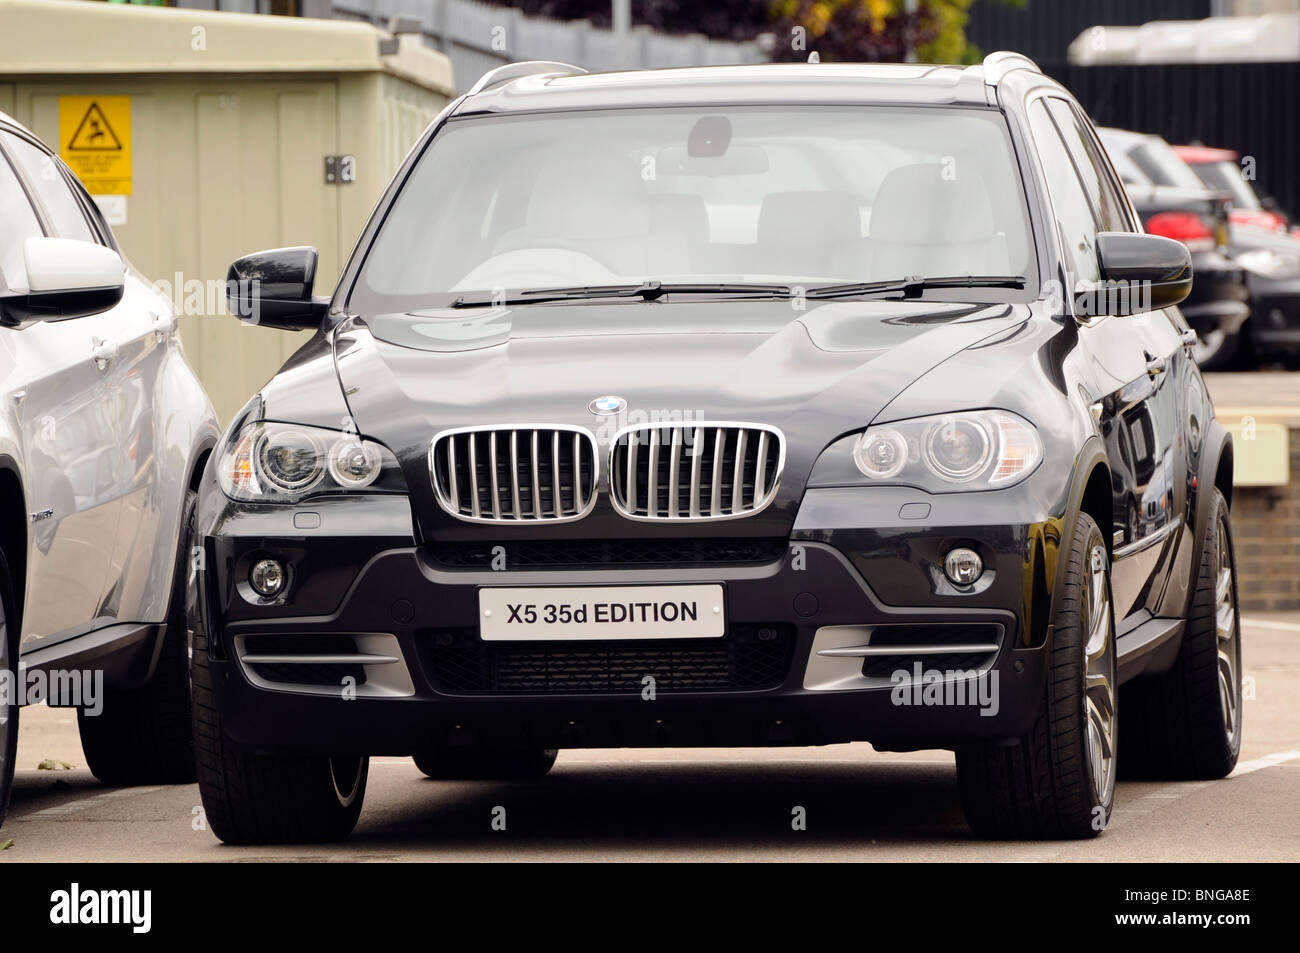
814	234
923	223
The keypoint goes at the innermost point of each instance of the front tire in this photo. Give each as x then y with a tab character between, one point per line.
251	798
1058	781
1186	723
9	688
144	735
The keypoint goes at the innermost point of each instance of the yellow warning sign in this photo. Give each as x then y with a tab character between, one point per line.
95	141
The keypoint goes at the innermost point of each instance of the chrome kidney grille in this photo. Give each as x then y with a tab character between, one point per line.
705	471
519	474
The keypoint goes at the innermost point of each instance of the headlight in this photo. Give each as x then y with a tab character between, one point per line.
1270	264
881	453
957	448
267	462
972	450
289	459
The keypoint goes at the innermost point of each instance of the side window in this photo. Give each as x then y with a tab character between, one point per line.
91	208
17	224
42	171
1092	167
1074	215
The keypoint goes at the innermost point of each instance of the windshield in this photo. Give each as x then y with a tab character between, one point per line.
736	196
1226	177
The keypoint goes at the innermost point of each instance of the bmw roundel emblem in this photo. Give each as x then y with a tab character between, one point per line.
607	405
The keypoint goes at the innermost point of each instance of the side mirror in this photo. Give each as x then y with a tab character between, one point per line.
66	279
273	288
1139	273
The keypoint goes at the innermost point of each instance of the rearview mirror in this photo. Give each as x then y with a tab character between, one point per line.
273	288
66	279
1139	273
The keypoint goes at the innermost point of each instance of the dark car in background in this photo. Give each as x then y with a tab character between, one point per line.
1270	258
1188	211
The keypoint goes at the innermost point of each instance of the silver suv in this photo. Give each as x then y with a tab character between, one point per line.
104	430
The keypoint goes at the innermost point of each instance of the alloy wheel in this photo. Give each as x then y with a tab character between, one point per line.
345	773
8	708
1226	627
1099	705
1208	345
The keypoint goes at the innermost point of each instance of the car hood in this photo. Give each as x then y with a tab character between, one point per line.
816	374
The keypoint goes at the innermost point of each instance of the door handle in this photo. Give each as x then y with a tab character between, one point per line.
1155	365
104	352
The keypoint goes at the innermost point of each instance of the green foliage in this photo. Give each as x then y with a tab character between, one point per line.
844	30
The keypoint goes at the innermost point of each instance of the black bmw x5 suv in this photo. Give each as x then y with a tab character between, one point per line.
743	406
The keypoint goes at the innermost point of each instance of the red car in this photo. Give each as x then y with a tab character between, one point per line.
1220	169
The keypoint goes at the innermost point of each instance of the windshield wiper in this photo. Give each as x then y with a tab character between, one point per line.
653	290
912	287
646	291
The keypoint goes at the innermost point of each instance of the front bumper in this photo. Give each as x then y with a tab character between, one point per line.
1275	312
768	682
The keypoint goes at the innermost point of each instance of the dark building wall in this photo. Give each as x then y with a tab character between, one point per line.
1044	29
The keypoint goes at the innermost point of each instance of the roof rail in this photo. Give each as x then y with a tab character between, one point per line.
503	74
999	64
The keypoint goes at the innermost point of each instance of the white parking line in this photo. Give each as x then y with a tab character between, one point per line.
1154	800
76	807
1270	624
1171	792
1277	757
390	762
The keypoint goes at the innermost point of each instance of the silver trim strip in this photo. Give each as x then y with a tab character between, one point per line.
577	482
652	476
496	487
696	440
715	489
537	483
557	499
452	488
738	476
379	653
674	472
863	651
473	473
515	507
1149	540
353	659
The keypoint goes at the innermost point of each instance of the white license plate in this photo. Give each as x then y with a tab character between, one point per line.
601	612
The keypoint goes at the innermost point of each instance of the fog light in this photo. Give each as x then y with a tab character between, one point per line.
962	566
267	577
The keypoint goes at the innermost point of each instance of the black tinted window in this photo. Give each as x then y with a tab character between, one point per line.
1091	166
1070	205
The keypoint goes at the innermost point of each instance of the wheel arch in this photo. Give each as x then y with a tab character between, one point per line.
200	462
1090	492
13	530
1214	471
